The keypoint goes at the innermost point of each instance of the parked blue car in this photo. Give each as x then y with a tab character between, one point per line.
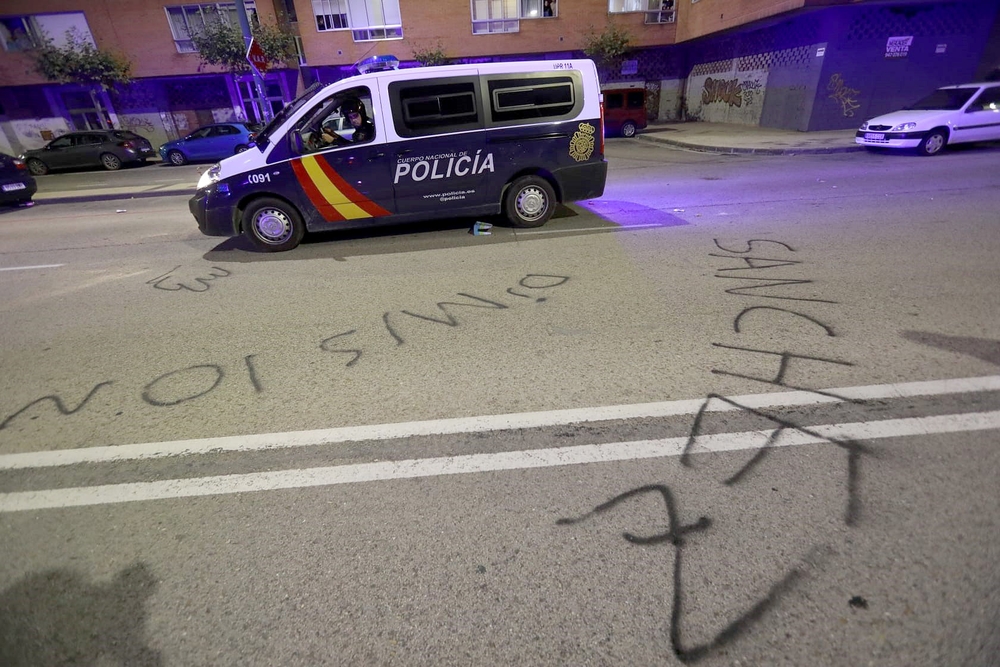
210	143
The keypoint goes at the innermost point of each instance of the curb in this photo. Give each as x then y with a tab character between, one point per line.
701	148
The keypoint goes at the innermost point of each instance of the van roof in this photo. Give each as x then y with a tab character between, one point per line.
490	68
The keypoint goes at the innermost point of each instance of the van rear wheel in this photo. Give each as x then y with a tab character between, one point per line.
628	129
529	202
273	225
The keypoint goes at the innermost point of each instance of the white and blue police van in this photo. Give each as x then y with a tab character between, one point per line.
397	145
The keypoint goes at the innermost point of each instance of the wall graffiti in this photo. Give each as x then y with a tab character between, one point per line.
775	285
846	97
137	124
189	383
728	91
751	88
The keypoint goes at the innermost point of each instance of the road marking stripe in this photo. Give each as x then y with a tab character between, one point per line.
264	441
37	266
479	463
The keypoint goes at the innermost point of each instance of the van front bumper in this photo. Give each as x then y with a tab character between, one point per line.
582	181
214	212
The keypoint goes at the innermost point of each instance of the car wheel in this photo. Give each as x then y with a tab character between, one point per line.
111	161
176	158
273	225
529	202
934	142
628	129
37	167
240	148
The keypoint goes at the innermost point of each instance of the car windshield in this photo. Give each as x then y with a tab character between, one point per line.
286	111
943	99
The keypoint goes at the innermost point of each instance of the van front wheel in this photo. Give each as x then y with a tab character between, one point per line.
273	225
529	202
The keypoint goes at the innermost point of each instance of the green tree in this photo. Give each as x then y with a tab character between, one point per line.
79	61
607	47
430	55
221	43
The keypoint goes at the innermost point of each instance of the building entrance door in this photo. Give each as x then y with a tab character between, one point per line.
87	110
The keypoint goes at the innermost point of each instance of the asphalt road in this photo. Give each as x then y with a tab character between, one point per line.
740	410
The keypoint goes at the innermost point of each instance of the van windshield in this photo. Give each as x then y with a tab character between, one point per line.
264	135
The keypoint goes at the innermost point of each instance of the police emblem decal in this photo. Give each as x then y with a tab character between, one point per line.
581	146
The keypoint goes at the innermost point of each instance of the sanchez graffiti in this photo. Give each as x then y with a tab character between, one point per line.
729	91
844	95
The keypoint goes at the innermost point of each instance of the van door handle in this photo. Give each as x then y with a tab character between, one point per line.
377	156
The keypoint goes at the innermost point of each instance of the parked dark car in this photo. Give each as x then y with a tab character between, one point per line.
17	186
94	148
210	143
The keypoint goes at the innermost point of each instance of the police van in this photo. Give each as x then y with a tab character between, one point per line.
396	145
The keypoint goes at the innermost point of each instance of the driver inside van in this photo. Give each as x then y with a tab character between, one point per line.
354	111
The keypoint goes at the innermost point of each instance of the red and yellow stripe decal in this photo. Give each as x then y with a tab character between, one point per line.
332	196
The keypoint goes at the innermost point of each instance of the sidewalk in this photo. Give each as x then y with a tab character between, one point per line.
749	139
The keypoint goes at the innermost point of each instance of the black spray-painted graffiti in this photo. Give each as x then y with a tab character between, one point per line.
722	90
846	97
750	88
773	287
192	382
140	124
675	535
171	282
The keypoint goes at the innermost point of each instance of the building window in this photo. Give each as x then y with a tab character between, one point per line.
330	14
539	9
660	11
492	16
368	20
300	52
187	20
22	33
625	6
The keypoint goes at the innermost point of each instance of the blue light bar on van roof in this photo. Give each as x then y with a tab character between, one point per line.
378	64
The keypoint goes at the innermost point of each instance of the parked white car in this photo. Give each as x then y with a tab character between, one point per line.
950	115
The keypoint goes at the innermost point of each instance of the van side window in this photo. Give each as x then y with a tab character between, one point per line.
525	99
435	107
636	99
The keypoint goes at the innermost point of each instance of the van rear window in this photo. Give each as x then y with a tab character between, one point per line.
521	99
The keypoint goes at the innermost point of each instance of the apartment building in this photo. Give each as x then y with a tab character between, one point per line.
797	64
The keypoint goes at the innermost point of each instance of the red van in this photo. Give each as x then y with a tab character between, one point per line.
624	110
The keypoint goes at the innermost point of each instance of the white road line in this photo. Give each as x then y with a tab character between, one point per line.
479	463
621	228
37	266
264	441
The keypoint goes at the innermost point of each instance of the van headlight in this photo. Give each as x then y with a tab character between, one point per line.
210	176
